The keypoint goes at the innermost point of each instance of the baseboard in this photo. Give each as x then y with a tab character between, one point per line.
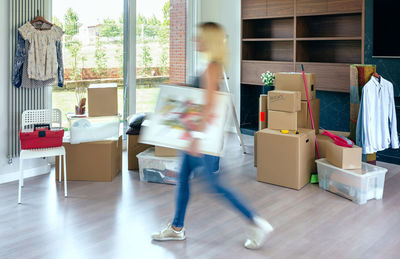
9	177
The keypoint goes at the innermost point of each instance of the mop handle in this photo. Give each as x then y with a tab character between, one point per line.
309	108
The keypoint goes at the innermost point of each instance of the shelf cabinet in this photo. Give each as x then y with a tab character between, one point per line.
329	51
310	7
328	74
266	8
335	6
280	35
251	70
344	25
268	28
267	50
304	7
254	8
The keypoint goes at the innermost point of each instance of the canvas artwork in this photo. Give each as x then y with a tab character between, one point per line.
178	112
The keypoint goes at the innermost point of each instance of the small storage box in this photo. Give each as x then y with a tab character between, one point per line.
358	185
158	169
91	129
41	138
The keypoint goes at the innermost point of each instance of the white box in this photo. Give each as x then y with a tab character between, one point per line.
89	129
358	185
157	169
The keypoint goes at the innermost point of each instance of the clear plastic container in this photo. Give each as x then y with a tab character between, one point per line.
359	185
157	169
90	129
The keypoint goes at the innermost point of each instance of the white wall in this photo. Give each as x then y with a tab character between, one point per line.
227	13
34	167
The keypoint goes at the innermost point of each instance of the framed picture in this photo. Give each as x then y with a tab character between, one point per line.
179	110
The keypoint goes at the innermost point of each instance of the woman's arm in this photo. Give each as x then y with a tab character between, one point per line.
211	85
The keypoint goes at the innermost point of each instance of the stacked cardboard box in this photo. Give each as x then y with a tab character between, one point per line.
282	109
97	160
295	82
288	159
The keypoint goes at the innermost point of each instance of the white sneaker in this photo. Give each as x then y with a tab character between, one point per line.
258	233
168	233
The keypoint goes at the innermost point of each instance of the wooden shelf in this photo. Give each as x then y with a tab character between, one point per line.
268	28
268	39
329	13
343	25
329	51
267	17
268	50
328	38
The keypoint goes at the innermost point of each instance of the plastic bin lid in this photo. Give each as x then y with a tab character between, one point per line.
366	169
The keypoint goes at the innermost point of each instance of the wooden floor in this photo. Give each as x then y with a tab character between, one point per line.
115	220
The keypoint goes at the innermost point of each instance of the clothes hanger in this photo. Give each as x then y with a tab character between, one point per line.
39	18
376	75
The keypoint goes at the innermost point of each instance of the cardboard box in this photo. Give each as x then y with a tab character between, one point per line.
135	148
323	141
103	100
285	159
294	82
93	161
344	157
165	152
284	101
304	118
282	120
263	109
255	149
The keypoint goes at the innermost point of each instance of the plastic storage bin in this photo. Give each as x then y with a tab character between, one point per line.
359	185
157	169
94	129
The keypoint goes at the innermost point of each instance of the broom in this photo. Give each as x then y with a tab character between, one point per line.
314	177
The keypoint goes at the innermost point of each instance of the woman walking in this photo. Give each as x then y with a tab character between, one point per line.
211	42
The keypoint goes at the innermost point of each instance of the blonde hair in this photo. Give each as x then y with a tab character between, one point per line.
213	37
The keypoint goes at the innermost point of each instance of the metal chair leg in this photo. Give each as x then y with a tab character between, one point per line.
21	179
65	177
59	168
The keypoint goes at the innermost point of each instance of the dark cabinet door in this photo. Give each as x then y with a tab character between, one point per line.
254	8
280	7
335	6
304	7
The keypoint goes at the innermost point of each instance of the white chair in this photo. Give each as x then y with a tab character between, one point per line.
29	119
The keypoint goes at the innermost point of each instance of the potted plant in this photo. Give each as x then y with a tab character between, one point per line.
268	79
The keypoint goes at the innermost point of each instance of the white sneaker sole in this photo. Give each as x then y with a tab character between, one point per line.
169	239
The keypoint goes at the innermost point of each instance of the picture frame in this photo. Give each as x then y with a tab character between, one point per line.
179	109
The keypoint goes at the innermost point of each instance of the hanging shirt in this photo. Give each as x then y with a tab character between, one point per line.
20	69
377	123
42	54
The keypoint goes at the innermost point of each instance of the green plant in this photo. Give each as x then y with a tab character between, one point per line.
147	60
100	58
268	78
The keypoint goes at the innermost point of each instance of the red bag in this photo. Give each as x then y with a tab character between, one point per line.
41	137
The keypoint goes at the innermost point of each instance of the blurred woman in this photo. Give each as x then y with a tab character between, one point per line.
212	43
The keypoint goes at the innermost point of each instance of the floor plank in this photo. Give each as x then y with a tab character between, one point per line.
115	220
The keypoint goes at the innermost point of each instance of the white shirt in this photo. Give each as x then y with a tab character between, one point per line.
377	123
42	54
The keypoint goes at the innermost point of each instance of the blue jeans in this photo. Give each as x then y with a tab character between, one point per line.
209	164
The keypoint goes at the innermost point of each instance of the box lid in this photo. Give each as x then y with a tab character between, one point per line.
106	85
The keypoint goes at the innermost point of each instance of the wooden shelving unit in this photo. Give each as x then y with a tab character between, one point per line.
279	35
